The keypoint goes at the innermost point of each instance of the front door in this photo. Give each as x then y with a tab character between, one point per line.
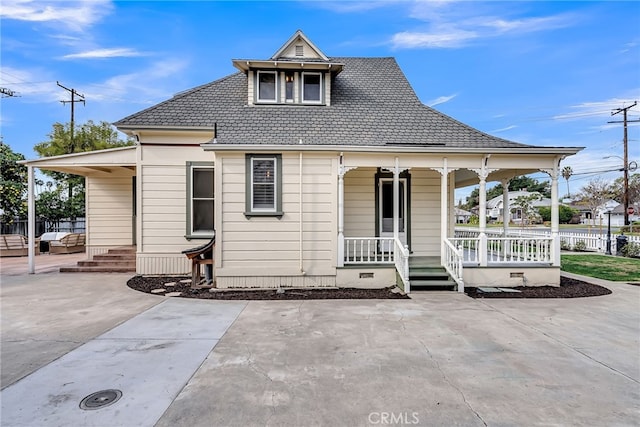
385	206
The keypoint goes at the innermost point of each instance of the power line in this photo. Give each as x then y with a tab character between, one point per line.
72	102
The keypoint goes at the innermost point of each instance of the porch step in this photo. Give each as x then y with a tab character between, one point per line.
426	273
118	260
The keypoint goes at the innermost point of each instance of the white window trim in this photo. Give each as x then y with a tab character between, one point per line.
275	92
191	232
309	73
275	185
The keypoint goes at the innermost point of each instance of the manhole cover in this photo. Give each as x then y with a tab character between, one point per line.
100	399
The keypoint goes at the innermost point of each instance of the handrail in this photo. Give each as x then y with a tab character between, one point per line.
453	263
401	258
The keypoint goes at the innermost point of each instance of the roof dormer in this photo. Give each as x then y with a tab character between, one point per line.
298	73
299	47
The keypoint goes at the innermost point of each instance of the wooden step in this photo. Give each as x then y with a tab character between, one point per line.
113	257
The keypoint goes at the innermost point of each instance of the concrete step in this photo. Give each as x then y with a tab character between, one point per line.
114	257
107	263
122	251
97	269
417	285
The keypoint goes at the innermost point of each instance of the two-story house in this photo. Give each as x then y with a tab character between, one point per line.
312	171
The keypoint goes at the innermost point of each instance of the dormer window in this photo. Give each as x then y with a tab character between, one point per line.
311	87
267	86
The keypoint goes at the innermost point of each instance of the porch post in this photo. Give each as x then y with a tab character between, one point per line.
555	215
396	201
31	218
443	209
506	212
341	173
482	244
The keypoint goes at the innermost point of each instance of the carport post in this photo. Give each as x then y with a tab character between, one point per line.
31	218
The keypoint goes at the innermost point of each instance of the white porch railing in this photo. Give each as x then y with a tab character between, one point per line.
453	263
503	250
379	250
368	250
401	254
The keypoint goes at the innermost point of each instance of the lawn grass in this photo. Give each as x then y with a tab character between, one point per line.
618	269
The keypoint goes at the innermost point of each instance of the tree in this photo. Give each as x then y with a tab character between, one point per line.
515	184
525	204
565	213
13	185
87	137
633	189
595	194
566	174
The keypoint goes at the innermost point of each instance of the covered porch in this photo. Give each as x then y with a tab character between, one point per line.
395	210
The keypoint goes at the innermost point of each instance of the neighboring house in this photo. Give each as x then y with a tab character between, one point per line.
495	206
617	213
462	216
312	170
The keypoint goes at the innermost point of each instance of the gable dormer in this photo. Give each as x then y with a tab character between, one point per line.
297	74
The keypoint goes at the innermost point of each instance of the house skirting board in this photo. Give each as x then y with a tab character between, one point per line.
169	264
511	276
373	277
97	250
248	282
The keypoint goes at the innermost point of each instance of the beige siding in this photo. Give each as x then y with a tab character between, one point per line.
360	203
425	212
163	211
109	211
268	246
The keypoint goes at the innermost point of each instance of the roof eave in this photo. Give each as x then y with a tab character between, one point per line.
396	149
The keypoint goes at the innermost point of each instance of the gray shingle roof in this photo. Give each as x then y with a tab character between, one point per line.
372	104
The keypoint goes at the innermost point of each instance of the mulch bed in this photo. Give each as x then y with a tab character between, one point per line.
569	288
149	283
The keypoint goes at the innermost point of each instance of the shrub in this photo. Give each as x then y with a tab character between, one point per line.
580	246
632	250
565	245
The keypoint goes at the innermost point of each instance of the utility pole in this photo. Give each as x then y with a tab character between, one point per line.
72	102
72	146
625	197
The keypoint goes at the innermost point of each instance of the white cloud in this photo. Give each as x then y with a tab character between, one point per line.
503	129
441	100
596	108
75	15
142	87
30	84
451	24
104	53
439	39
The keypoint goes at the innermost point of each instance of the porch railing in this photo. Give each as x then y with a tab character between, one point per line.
368	250
401	254
453	263
513	249
379	250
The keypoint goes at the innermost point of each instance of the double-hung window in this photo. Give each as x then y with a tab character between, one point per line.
200	199
264	185
267	86
312	87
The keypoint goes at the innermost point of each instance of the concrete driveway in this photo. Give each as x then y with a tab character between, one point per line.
438	359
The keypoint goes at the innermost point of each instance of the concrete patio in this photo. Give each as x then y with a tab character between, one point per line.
440	358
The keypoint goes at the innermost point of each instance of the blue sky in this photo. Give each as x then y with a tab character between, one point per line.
543	73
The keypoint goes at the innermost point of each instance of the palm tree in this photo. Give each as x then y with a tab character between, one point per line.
566	174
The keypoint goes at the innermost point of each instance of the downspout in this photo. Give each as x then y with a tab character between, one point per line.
300	209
